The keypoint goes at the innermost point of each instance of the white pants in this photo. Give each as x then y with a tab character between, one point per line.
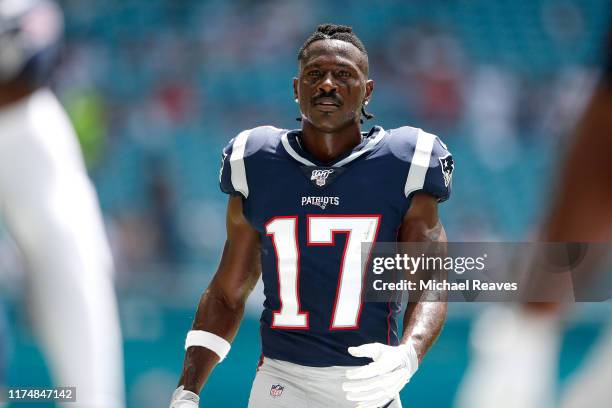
51	210
280	384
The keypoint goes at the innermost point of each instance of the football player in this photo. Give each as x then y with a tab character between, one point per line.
301	204
51	209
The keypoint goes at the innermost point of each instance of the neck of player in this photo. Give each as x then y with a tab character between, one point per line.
327	146
13	91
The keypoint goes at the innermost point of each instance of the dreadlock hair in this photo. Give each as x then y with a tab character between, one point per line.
333	32
336	32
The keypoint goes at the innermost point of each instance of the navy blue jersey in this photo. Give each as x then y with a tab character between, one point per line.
313	218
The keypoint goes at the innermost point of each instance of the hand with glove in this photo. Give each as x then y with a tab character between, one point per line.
181	398
376	384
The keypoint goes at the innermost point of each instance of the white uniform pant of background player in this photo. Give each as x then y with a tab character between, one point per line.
297	386
50	207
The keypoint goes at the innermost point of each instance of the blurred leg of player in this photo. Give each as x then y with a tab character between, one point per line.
280	384
51	209
590	387
4	350
514	360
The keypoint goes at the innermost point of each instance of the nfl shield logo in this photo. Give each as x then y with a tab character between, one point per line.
276	390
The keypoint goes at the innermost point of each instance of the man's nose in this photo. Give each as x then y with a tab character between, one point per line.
328	84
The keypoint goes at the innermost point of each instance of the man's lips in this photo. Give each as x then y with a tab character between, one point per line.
326	102
326	107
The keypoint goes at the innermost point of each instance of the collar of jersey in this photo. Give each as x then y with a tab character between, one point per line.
295	150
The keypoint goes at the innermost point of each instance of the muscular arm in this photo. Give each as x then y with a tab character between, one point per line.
221	306
426	311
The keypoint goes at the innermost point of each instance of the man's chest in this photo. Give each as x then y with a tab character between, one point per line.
315	192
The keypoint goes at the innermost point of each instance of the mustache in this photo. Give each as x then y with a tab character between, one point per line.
327	95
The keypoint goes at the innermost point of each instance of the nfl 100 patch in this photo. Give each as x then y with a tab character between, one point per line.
321	176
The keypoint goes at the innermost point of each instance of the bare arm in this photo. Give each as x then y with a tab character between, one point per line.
222	305
426	312
582	210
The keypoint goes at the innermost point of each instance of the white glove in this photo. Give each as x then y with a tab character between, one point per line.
182	398
375	384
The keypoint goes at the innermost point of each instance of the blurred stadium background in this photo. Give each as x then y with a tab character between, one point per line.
156	88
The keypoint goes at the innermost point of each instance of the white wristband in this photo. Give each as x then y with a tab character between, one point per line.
181	398
211	341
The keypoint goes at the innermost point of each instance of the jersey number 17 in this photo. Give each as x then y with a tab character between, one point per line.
320	232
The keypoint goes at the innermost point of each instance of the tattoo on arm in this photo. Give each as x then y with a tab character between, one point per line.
426	310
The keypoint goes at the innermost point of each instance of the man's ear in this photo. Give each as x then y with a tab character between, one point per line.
295	86
369	90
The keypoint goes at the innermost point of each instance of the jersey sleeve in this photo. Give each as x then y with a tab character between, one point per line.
225	174
239	156
431	164
439	177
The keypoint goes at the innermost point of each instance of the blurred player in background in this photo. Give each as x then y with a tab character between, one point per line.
51	209
516	349
302	203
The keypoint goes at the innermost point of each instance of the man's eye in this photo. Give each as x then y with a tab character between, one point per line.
344	74
315	73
